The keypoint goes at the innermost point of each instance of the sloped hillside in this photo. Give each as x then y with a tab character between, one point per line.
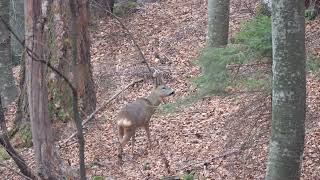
216	137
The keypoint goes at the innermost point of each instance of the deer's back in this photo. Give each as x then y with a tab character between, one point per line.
136	113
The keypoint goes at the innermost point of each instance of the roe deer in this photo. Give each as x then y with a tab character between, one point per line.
137	114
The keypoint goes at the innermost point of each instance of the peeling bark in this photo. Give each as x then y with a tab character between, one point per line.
42	135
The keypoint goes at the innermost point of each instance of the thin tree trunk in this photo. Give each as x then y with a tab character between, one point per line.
79	72
82	70
8	88
17	25
75	11
289	90
218	23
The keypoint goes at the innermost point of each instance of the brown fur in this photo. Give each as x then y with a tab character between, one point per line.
138	114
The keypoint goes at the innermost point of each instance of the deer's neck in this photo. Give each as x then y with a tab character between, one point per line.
154	99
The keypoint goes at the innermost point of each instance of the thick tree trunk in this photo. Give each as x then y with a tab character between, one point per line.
218	22
37	94
268	3
289	90
8	89
79	72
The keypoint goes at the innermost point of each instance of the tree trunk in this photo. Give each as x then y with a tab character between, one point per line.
289	90
8	89
79	72
21	124
268	3
218	22
82	72
75	8
17	25
37	93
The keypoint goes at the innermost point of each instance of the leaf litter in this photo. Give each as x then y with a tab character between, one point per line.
217	137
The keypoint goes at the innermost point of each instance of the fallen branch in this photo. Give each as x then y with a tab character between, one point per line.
210	160
16	172
5	142
90	117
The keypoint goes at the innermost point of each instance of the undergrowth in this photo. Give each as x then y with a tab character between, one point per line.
313	64
3	154
232	68
243	65
25	135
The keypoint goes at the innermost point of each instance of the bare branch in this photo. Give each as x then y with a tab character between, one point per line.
4	141
16	172
131	37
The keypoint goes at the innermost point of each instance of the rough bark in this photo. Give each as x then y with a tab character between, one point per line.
268	3
8	89
62	53
82	70
289	90
218	22
75	8
22	119
37	94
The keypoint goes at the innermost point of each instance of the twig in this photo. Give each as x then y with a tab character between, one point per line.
131	37
35	56
249	8
135	162
247	65
90	117
5	142
212	159
13	170
165	161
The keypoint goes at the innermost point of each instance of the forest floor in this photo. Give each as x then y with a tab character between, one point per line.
216	137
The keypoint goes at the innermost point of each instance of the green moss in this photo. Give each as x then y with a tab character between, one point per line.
3	154
313	64
58	103
25	135
310	13
188	176
97	178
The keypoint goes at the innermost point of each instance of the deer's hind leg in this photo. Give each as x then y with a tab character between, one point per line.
121	132
147	129
127	134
